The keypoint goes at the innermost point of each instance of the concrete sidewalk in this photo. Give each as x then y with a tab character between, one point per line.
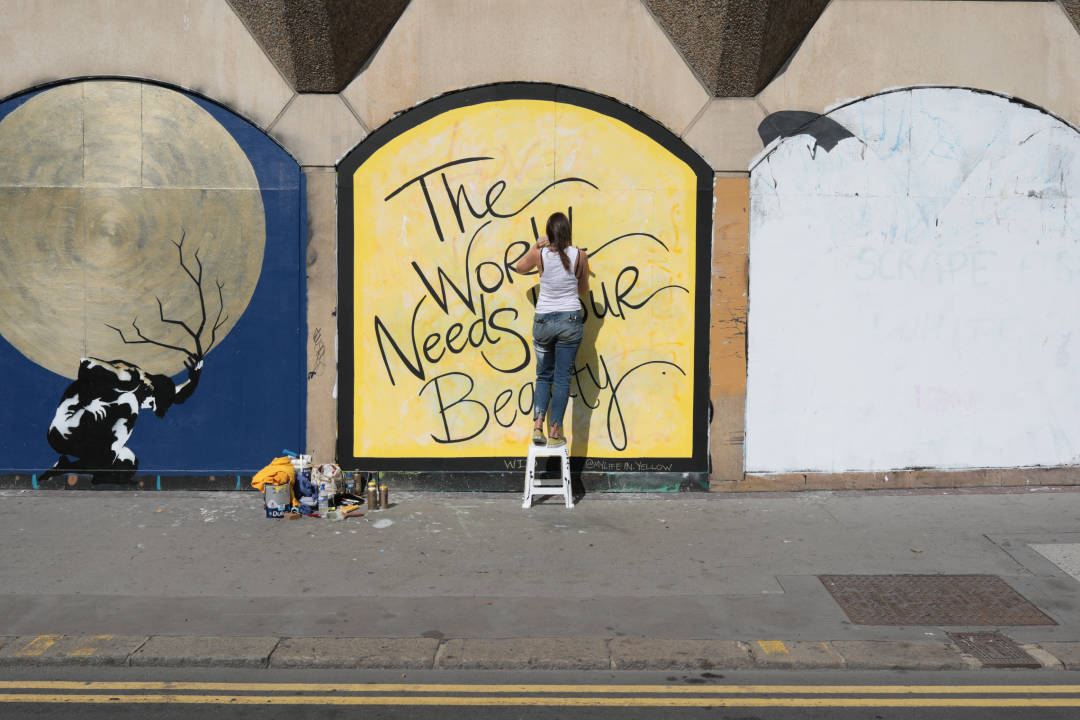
438	580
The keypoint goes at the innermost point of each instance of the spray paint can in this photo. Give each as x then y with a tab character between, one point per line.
384	497
372	496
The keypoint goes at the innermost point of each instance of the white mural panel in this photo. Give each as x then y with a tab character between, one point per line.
914	288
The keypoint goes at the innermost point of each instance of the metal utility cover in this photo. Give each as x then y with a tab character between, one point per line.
994	650
935	600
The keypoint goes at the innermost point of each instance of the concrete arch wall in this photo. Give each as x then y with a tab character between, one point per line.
199	45
861	47
616	48
1026	50
613	48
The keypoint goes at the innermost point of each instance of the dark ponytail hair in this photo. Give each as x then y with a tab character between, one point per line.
558	234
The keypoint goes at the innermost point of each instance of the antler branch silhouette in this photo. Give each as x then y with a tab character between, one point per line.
196	277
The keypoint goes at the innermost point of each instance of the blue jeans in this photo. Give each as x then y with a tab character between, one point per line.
556	337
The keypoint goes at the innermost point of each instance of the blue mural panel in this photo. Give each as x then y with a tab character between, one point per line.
151	285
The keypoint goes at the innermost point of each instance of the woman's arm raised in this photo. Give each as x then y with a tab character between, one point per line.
582	273
531	259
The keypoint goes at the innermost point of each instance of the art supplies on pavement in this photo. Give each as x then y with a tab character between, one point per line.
293	487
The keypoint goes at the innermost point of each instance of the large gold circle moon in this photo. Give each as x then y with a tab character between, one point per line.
100	180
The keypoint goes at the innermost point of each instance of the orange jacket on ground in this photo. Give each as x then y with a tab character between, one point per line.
280	471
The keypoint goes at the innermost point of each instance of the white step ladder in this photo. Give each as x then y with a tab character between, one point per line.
532	484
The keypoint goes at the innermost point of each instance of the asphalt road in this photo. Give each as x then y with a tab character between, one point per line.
92	693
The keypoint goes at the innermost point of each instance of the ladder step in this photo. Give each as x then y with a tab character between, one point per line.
560	486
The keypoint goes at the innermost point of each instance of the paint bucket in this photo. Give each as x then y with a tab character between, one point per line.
276	500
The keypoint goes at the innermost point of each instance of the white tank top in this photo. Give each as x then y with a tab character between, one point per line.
558	286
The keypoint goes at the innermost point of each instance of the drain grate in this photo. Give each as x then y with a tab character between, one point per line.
937	600
994	650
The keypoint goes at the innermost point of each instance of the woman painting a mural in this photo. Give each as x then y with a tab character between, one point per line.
558	324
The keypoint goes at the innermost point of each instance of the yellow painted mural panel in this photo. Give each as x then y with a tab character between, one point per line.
442	363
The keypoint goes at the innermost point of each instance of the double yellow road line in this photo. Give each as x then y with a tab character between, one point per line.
418	694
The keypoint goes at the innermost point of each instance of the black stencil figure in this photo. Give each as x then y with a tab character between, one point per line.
97	412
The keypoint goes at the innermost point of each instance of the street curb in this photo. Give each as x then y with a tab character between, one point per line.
1066	653
798	655
38	650
415	653
918	655
643	653
523	654
620	653
197	651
